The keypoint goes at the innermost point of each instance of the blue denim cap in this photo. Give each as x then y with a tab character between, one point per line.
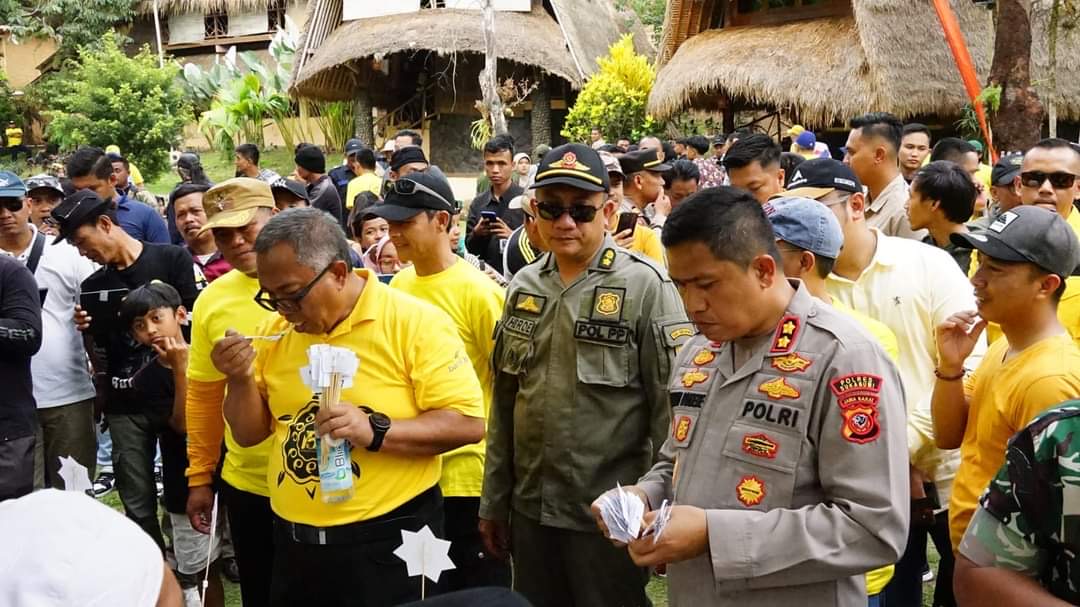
806	224
11	186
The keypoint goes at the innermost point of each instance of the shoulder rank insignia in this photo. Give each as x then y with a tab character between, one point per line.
694	377
750	490
682	331
779	389
704	357
681	427
526	302
607	259
786	332
760	445
791	363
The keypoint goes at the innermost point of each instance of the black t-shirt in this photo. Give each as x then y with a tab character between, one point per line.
490	248
113	344
20	339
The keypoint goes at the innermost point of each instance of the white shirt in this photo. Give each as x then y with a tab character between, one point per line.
912	287
59	369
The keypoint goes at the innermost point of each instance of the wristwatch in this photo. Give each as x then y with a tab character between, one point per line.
380	425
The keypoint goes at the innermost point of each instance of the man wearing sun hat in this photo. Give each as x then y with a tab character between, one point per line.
581	362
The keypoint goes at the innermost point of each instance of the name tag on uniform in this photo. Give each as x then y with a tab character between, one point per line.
602	332
520	325
686	399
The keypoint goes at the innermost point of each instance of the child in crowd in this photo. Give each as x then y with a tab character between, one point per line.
154	315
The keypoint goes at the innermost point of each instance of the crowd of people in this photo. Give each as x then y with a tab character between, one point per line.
819	364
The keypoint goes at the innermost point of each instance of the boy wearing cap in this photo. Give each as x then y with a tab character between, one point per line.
236	211
311	168
419	209
640	238
643	184
43	193
1024	257
89	223
62	385
289	194
582	357
345	172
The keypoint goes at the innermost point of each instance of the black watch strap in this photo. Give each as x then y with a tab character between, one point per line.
380	425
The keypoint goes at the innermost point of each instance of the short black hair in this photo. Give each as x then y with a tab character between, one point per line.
880	124
500	143
682	170
1055	143
365	157
952	149
610	148
730	221
735	135
417	138
788	162
915	127
823	265
118	158
359	214
698	142
753	147
142	300
250	151
88	161
186	189
950	185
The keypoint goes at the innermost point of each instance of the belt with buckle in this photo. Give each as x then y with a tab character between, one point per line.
416	511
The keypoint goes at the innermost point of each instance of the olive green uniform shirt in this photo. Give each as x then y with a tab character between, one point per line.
580	400
798	457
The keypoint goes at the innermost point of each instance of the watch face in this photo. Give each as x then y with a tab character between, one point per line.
380	421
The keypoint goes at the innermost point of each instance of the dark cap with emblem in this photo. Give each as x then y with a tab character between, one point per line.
75	210
234	202
574	165
646	159
1006	169
818	177
44	181
294	188
402	207
1028	233
353	146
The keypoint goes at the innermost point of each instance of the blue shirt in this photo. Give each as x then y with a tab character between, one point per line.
140	221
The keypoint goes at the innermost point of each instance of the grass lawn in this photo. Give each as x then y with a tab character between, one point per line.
219	168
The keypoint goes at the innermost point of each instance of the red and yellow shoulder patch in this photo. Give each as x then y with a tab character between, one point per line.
786	332
858	395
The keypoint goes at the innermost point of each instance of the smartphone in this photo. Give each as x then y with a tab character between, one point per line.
488	215
627	221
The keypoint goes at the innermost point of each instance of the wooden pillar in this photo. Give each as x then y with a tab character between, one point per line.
363	128
541	112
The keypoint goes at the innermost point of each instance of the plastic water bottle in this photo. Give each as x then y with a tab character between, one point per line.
335	460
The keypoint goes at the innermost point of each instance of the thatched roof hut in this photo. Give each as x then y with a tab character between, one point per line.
883	55
564	42
180	7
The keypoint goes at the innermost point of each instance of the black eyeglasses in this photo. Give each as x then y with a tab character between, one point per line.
580	213
12	204
408	187
270	303
1059	180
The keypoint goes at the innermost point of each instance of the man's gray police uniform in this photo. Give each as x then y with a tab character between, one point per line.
799	458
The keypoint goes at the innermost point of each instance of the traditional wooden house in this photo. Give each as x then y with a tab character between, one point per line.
417	62
820	62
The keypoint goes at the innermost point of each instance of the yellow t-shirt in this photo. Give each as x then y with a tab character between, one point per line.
648	243
878	578
227	303
136	174
14	136
411	361
368	182
475	303
1004	396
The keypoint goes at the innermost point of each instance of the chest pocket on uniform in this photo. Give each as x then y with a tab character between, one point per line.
606	364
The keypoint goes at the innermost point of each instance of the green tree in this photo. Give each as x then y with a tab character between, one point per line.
614	98
73	23
105	97
649	12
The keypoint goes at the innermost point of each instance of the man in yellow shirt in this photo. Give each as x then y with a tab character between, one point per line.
413	397
235	210
14	135
362	163
809	238
1024	257
419	211
1049	179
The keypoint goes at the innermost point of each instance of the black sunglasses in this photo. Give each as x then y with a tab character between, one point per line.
408	187
12	204
1059	180
270	303
580	213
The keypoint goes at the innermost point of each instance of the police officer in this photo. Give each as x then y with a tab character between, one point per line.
787	458
582	358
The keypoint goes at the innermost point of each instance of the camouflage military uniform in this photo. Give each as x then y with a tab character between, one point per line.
1028	520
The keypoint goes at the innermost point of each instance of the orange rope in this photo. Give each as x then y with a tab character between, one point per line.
955	39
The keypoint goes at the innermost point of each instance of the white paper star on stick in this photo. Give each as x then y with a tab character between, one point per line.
424	554
76	476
